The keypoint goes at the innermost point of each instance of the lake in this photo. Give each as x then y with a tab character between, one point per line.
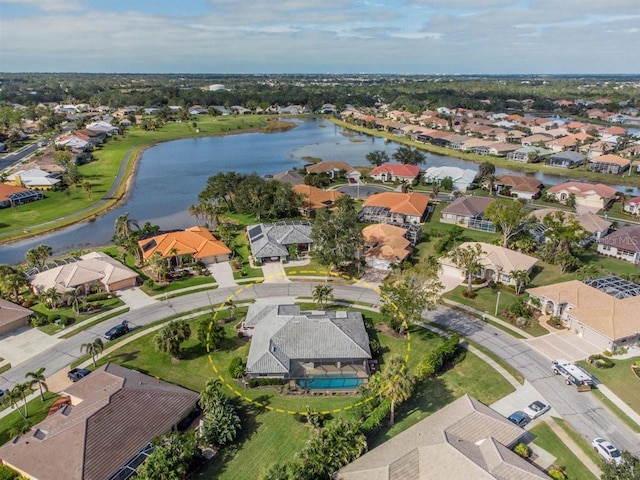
171	175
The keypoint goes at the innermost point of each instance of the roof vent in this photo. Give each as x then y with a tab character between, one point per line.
40	434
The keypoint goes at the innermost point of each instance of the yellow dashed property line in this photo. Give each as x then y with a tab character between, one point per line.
247	399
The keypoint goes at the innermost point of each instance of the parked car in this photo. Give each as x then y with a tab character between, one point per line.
117	331
607	450
519	418
2	392
537	408
77	374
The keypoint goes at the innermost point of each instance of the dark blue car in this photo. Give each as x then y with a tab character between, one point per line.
520	418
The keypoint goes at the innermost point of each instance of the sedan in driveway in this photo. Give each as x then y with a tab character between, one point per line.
607	450
537	408
519	418
117	331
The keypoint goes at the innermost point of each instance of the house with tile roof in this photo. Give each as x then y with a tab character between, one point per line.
610	164
395	208
196	243
467	212
593	224
272	242
386	245
606	312
334	170
632	206
565	159
315	198
104	430
303	346
12	316
10	195
395	172
84	272
290	176
497	264
462	177
624	244
589	195
464	439
519	186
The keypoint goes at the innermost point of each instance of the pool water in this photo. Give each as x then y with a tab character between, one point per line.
330	383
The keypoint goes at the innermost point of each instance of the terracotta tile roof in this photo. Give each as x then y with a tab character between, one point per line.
397	170
316	198
614	318
6	190
196	241
386	242
520	183
613	159
404	203
633	201
115	412
501	259
580	189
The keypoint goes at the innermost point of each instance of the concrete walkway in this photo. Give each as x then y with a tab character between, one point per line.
223	274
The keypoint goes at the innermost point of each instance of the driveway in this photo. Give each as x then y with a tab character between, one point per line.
223	273
274	273
563	344
135	298
20	345
448	282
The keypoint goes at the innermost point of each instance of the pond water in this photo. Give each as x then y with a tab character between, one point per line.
171	174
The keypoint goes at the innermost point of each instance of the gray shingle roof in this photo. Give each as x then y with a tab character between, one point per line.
272	240
283	333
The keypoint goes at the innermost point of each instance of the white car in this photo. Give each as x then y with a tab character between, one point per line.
607	450
536	409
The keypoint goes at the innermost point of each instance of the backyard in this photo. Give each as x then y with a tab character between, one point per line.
269	436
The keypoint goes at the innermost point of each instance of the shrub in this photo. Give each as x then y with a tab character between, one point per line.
374	346
436	360
64	320
52	317
600	361
95	297
555	321
469	294
557	474
522	450
236	367
7	474
263	382
39	320
377	416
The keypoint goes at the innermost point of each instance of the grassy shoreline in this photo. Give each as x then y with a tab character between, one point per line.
574	173
108	162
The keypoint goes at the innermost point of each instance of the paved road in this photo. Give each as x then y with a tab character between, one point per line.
16	157
582	410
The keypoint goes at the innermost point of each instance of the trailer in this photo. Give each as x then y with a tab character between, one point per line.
573	374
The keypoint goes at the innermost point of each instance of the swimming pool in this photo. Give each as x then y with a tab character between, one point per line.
329	382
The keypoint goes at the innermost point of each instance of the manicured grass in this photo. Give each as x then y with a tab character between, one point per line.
550	442
512	370
486	300
584	445
53	328
174	285
312	269
37	410
620	379
5	367
616	410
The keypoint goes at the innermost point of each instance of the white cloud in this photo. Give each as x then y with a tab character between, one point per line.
49	5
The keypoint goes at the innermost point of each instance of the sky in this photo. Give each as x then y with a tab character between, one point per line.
321	36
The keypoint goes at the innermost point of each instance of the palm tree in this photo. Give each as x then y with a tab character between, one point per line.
93	348
521	278
491	180
158	266
169	338
231	307
22	390
468	259
73	299
12	282
394	383
588	272
50	297
125	235
322	294
38	378
12	397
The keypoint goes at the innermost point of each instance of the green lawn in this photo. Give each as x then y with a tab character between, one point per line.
585	446
269	436
486	301
620	379
567	459
36	409
313	269
52	328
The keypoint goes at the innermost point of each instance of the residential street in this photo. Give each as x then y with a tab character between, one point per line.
582	410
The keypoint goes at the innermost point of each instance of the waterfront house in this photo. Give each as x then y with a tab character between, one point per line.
467	212
394	172
315	198
610	164
196	243
566	159
271	242
395	208
462	178
624	244
588	195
